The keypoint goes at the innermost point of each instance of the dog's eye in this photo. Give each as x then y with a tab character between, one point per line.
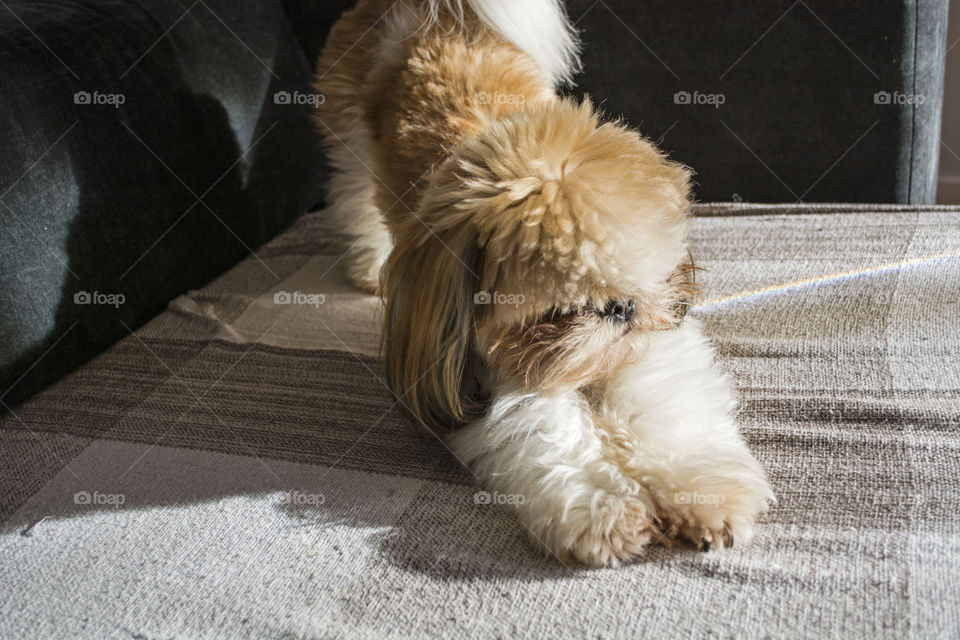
620	310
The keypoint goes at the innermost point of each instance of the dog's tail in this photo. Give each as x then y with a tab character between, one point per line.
540	28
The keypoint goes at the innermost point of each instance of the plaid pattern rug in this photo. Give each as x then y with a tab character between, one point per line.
237	468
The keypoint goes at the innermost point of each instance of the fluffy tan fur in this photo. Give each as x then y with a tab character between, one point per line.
491	184
422	97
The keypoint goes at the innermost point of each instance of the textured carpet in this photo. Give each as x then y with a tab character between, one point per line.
238	469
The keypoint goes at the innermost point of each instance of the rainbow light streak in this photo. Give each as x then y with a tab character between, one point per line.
820	281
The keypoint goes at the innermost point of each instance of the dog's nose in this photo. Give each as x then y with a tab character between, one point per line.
620	310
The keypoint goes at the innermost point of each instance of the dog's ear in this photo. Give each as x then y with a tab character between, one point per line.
433	369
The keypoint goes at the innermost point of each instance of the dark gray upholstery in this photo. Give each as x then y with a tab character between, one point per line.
799	78
98	198
95	198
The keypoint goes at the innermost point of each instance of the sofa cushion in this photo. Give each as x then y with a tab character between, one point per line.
118	117
238	468
778	101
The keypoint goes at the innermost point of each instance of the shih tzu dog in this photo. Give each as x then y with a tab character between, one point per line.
533	264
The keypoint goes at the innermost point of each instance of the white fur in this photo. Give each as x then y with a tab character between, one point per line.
538	27
680	410
353	211
674	410
545	452
353	184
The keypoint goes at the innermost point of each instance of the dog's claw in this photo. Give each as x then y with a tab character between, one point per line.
727	537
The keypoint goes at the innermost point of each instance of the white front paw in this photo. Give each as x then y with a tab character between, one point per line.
610	531
363	268
715	511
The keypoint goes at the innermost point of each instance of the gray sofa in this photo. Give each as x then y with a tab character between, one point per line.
202	460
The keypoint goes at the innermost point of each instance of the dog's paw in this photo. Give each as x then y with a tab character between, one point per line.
366	284
614	531
687	529
712	515
363	268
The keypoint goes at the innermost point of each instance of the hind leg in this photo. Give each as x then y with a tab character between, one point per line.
353	211
343	72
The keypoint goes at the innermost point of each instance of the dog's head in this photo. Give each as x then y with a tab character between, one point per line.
542	252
